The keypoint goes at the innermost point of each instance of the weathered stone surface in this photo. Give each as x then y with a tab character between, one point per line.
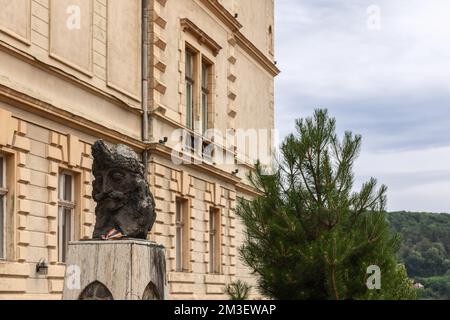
115	270
125	205
96	291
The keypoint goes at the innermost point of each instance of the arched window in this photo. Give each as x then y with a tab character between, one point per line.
271	42
96	291
151	292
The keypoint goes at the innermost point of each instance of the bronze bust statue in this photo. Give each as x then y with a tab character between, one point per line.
125	206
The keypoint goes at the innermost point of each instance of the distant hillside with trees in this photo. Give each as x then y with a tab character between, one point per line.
425	250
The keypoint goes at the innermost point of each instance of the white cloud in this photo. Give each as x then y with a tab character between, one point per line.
405	162
336	55
418	180
392	86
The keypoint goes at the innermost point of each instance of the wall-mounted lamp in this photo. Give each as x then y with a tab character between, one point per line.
236	15
42	267
163	141
235	172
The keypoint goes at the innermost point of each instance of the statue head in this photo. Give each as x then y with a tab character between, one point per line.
125	206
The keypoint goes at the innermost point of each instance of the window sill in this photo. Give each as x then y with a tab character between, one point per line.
181	277
215	279
14	268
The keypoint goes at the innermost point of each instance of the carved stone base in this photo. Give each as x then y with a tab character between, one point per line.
115	270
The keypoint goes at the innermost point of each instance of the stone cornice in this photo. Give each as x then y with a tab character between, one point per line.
223	14
241	186
28	103
188	26
248	189
178	125
166	152
233	24
55	71
256	54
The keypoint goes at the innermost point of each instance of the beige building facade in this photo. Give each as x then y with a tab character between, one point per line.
72	72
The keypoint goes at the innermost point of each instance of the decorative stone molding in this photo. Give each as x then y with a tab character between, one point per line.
160	65
217	194
7	126
159	42
232	78
231	95
202	37
23	175
160	21
157	50
23	207
162	2
215	279
223	14
185	181
256	54
233	24
18	24
75	149
159	86
33	105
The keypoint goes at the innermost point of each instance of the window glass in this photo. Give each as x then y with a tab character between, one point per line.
2	227
179	236
214	240
66	211
189	89
205	96
3	192
2	185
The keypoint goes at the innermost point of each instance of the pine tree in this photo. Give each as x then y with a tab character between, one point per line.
238	290
308	234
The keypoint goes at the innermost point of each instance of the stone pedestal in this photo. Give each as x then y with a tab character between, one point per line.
115	270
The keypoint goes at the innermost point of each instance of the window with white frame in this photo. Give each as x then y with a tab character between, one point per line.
214	240
3	193
182	235
66	213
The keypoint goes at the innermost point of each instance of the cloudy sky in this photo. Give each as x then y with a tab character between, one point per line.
387	79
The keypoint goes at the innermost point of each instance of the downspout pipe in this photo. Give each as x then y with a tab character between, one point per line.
145	81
